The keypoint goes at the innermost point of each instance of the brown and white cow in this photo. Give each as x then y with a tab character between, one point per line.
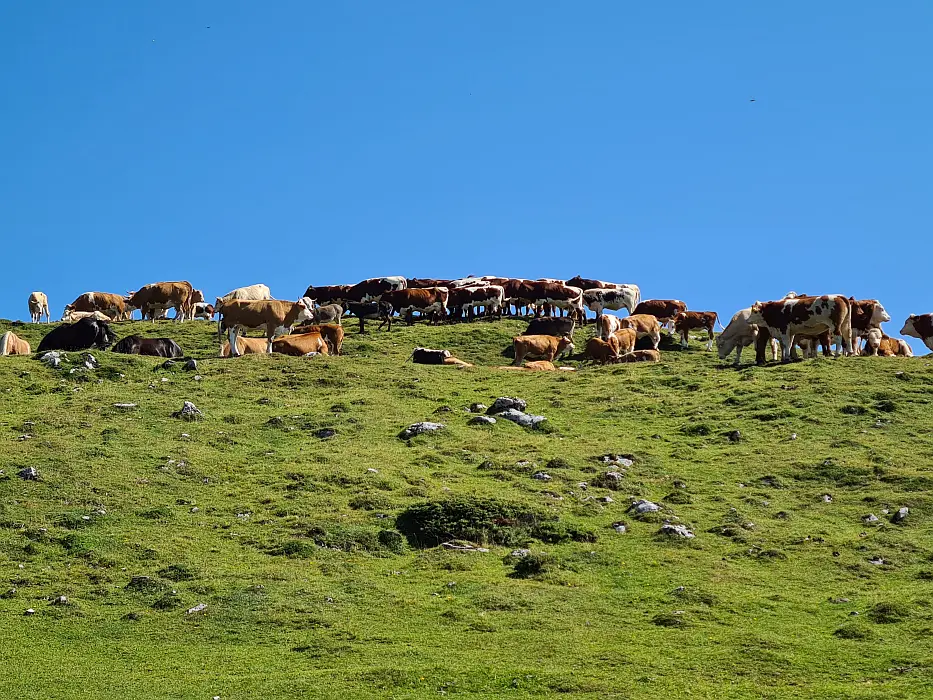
12	344
879	344
624	339
644	325
686	321
300	344
462	302
332	333
252	292
278	317
113	305
919	326
38	307
428	302
662	309
547	347
163	296
202	310
555	295
641	356
805	315
624	296
607	324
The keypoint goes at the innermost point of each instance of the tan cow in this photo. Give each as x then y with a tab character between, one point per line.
548	347
300	344
602	351
72	316
278	317
163	296
608	324
246	346
644	325
624	340
331	332
39	307
12	344
641	356
111	304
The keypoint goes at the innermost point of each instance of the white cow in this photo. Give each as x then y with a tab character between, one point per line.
254	292
739	334
39	307
625	296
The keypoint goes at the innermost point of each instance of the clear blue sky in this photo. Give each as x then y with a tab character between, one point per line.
299	142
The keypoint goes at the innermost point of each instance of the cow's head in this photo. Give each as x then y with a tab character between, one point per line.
724	345
909	328
878	314
565	344
754	317
307	310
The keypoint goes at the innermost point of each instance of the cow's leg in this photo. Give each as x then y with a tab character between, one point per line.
709	342
655	338
787	346
738	355
231	338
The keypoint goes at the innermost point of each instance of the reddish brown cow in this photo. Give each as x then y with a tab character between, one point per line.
585	283
113	305
331	332
276	316
919	326
431	302
425	283
662	309
686	321
328	293
300	344
163	296
373	289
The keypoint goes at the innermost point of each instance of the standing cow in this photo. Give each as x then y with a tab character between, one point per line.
686	321
278	317
39	307
807	316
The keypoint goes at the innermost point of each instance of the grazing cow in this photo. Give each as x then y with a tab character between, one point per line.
12	344
877	343
431	301
551	326
300	344
919	326
203	310
254	292
462	302
662	309
328	294
624	340
39	307
156	347
740	334
332	333
425	283
373	289
81	335
644	325
548	347
370	311
641	356
801	315
113	305
607	324
686	321
601	351
246	346
331	313
626	296
163	296
72	316
277	316
427	356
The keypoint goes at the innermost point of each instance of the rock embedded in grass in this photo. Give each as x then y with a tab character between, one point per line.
641	506
870	519
900	516
188	412
482	420
676	531
526	420
419	429
477	407
504	403
28	474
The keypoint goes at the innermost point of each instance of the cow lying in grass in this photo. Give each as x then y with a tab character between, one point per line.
12	344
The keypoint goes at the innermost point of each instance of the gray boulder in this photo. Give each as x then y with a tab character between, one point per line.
504	403
482	420
419	429
477	407
526	420
901	515
641	506
188	412
28	474
677	531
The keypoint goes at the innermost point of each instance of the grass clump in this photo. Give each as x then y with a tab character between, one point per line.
483	520
887	613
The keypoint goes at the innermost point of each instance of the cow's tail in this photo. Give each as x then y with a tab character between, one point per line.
719	323
5	343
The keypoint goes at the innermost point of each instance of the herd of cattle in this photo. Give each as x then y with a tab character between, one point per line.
557	306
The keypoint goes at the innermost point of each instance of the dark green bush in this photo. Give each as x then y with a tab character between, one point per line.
177	572
535	566
485	520
556	532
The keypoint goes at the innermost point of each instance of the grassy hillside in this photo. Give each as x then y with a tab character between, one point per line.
291	540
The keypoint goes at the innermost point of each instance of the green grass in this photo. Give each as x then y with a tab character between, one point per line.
311	591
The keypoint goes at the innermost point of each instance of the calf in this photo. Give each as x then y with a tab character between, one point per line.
662	309
369	311
919	326
546	347
641	356
12	344
644	325
72	316
331	313
156	347
300	344
686	321
38	307
277	317
601	351
877	343
82	335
